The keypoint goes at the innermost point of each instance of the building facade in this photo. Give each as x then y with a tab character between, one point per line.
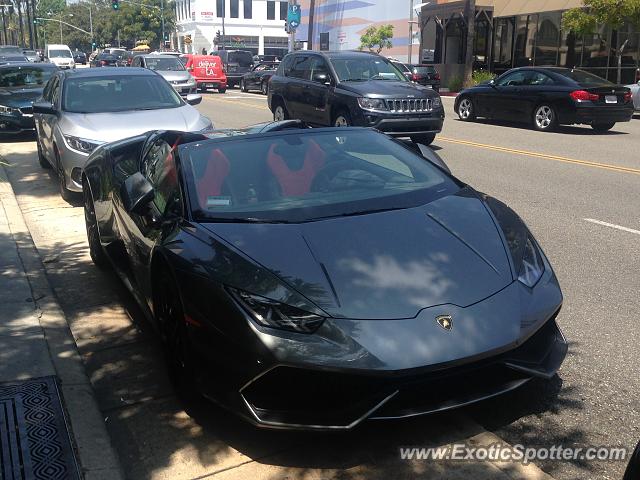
254	25
513	33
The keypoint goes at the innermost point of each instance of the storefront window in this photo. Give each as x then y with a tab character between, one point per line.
481	44
526	28
548	38
570	50
503	43
597	48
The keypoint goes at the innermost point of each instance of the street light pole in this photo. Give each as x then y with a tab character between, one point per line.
162	18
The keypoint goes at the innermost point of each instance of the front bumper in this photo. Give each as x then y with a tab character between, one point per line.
403	124
185	89
16	123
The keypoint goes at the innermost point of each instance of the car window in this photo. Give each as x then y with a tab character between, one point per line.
159	167
538	78
20	76
364	68
243	59
582	77
59	54
55	92
118	93
401	66
424	70
46	94
302	176
301	67
164	64
514	79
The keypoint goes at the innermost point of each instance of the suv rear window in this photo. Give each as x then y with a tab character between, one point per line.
243	59
424	70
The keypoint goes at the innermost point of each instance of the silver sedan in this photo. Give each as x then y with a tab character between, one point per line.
635	91
171	68
82	109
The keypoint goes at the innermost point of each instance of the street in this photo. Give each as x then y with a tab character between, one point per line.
577	191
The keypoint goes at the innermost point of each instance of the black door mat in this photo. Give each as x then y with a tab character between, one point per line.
34	440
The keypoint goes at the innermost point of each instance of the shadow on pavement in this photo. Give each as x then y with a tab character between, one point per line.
562	129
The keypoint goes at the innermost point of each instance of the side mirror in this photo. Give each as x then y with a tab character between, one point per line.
46	108
194	99
321	78
433	157
136	193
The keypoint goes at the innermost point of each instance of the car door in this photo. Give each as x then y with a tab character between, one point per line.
47	122
316	106
297	87
503	100
538	87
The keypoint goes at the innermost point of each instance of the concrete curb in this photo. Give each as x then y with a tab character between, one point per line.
94	451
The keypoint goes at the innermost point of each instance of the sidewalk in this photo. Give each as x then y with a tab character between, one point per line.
35	340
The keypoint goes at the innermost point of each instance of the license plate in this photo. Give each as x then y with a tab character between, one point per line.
611	99
211	85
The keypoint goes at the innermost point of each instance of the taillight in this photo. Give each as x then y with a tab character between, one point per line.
627	97
103	62
414	77
583	95
436	76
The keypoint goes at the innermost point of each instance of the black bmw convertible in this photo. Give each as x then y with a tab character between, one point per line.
316	278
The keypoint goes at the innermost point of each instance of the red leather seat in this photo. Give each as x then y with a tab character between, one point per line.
210	183
295	183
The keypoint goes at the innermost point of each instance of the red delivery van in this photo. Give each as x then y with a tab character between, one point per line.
207	70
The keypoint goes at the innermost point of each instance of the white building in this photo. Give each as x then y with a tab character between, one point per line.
255	25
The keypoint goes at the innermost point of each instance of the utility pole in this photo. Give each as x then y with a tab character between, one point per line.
312	9
224	33
292	31
470	19
162	19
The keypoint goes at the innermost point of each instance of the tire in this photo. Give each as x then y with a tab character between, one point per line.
169	316
466	111
65	193
222	90
280	113
96	251
243	86
425	139
264	88
342	119
44	163
603	127
544	118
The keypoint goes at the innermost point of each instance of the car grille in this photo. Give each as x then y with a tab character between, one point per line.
410	105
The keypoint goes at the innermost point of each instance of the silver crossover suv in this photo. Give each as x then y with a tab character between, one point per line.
171	68
81	109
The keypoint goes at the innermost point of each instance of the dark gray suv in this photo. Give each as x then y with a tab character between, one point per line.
354	88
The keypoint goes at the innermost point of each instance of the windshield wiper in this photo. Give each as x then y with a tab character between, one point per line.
361	212
242	220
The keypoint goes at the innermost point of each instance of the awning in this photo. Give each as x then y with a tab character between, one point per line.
141	48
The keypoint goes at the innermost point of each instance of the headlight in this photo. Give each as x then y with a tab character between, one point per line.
270	313
9	110
371	103
208	128
80	144
437	103
532	266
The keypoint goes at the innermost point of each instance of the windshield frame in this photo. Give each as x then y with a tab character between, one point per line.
412	199
181	102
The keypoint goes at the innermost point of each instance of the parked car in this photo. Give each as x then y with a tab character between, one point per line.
403	68
104	60
207	71
269	262
80	110
32	56
170	68
546	97
258	77
235	64
354	88
80	58
9	58
20	85
635	94
60	55
425	75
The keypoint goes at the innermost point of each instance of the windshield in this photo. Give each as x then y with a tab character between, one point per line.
243	59
424	70
367	67
118	94
29	53
164	64
13	58
7	50
25	76
583	78
59	54
302	176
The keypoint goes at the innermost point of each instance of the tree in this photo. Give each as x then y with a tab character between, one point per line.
470	19
377	38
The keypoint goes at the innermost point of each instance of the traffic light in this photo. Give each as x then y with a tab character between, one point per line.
218	37
115	4
286	26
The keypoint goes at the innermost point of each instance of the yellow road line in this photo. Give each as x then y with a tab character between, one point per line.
605	166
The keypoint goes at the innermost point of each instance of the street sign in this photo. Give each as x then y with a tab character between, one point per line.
294	16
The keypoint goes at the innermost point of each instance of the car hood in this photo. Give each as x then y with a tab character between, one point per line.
108	127
386	88
19	97
385	265
175	76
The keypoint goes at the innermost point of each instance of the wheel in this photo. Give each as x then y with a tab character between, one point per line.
466	112
243	86
44	163
603	127
169	317
65	193
342	119
222	90
93	235
424	139
280	113
544	118
264	88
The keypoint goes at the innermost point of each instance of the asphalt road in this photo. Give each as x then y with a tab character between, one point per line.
567	186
